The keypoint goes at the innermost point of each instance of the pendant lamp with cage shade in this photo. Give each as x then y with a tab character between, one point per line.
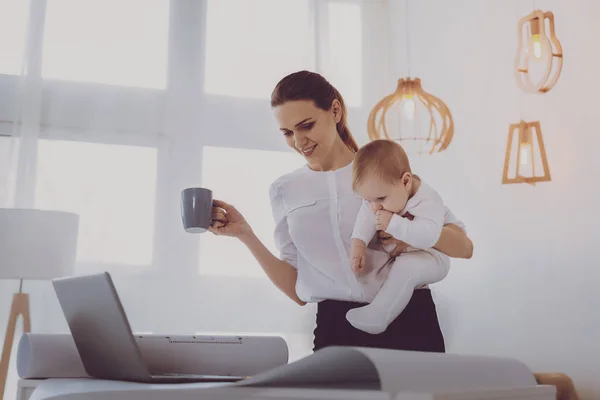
421	122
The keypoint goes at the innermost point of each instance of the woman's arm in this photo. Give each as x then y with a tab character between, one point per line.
228	221
454	242
281	273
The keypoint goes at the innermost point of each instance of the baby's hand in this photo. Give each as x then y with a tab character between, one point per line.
358	255
358	263
382	219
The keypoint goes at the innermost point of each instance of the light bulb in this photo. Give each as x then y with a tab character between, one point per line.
537	46
525	156
408	106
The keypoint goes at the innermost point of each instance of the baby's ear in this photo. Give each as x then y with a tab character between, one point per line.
407	179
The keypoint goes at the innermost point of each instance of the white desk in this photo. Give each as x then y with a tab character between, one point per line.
88	389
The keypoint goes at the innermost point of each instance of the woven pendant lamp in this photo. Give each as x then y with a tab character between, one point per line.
419	121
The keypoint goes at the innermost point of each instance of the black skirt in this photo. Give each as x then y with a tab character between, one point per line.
416	328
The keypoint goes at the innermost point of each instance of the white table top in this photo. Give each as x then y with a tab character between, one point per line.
93	389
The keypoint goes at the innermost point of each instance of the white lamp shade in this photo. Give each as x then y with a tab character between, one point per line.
37	244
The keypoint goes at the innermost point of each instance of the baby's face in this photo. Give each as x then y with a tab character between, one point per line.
386	196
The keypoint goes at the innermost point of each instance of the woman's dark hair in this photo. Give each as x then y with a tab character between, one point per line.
306	85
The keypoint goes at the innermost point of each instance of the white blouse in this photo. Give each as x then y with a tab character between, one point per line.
314	214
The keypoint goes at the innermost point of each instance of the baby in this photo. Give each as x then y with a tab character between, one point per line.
402	205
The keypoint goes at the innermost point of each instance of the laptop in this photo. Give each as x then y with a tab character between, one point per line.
103	336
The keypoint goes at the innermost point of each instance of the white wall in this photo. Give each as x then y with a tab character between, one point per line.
530	290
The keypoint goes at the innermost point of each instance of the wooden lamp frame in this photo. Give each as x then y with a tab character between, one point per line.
438	138
537	24
525	132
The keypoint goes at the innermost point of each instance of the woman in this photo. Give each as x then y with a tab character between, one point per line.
315	209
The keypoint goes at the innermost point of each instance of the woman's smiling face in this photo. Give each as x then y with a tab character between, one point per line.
308	129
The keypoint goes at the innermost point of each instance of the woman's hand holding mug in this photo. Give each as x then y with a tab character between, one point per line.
228	221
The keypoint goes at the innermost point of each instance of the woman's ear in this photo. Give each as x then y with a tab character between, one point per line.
336	109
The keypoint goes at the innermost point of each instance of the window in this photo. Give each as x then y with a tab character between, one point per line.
110	42
9	149
13	25
342	61
111	187
242	178
249	50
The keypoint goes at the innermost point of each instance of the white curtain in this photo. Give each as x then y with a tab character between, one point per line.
109	108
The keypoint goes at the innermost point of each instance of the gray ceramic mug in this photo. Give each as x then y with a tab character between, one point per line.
196	209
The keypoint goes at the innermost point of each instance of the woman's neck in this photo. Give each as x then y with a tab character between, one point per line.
339	156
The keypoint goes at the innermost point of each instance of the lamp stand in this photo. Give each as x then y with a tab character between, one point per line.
20	306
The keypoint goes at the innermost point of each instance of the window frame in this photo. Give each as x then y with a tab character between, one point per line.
185	80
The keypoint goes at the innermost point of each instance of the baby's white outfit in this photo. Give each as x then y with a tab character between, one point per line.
419	265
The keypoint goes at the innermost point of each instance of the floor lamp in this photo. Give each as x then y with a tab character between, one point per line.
37	245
